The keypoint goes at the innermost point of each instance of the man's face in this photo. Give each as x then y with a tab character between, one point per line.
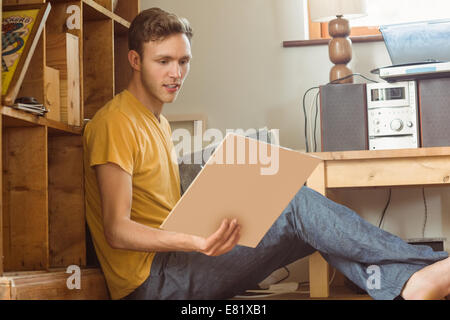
164	66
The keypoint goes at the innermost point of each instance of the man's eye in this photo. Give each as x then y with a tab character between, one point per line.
163	61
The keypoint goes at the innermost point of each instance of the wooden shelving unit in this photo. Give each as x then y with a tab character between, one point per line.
42	218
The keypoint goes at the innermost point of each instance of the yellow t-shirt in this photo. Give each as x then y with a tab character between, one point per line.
126	133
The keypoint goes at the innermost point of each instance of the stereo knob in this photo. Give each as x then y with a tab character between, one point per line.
396	124
409	124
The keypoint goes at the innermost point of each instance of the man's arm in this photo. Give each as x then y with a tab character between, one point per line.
121	232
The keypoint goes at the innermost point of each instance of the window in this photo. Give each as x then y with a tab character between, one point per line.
382	12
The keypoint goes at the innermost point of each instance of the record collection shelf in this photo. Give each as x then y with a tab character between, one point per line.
42	218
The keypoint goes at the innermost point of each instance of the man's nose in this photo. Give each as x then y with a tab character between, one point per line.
175	70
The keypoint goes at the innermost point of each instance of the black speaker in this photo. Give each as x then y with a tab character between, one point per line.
343	117
434	108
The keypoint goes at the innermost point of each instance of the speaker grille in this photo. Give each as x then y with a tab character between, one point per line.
343	113
434	98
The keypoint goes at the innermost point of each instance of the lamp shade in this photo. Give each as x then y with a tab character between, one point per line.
326	10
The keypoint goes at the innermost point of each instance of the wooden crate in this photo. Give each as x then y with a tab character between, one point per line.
63	55
42	222
25	192
66	201
52	285
98	65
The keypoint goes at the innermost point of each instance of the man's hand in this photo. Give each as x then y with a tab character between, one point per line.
221	241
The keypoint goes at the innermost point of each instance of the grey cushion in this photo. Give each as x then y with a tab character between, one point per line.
189	170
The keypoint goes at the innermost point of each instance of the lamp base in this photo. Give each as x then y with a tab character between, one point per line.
340	49
340	71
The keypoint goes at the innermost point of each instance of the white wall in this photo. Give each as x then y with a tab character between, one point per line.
242	77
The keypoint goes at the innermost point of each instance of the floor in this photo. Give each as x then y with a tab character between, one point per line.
336	293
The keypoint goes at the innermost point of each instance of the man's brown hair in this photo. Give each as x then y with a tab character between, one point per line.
155	24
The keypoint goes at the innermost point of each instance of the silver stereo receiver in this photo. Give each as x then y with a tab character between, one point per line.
392	115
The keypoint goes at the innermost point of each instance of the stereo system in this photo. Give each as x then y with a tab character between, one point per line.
380	116
392	115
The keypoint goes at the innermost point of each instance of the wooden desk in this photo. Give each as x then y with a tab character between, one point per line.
382	168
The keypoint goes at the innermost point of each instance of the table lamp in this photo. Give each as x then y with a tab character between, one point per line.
340	47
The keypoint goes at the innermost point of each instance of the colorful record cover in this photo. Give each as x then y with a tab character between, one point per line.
16	28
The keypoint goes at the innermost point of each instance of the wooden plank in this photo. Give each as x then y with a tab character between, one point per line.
73	81
25	208
63	55
98	65
1	19
107	4
2	294
15	2
382	172
66	201
121	30
379	154
93	10
318	267
53	286
315	42
5	289
52	93
1	199
319	271
18	118
57	23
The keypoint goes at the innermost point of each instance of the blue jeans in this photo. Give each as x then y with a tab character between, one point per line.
310	222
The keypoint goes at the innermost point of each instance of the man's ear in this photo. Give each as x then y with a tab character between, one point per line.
135	60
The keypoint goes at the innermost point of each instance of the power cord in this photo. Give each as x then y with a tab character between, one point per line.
313	113
426	212
351	75
306	118
315	120
385	208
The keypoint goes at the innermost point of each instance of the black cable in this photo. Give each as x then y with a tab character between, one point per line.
316	111
315	120
426	212
385	208
351	75
305	117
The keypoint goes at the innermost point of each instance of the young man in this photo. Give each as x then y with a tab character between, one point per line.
132	183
